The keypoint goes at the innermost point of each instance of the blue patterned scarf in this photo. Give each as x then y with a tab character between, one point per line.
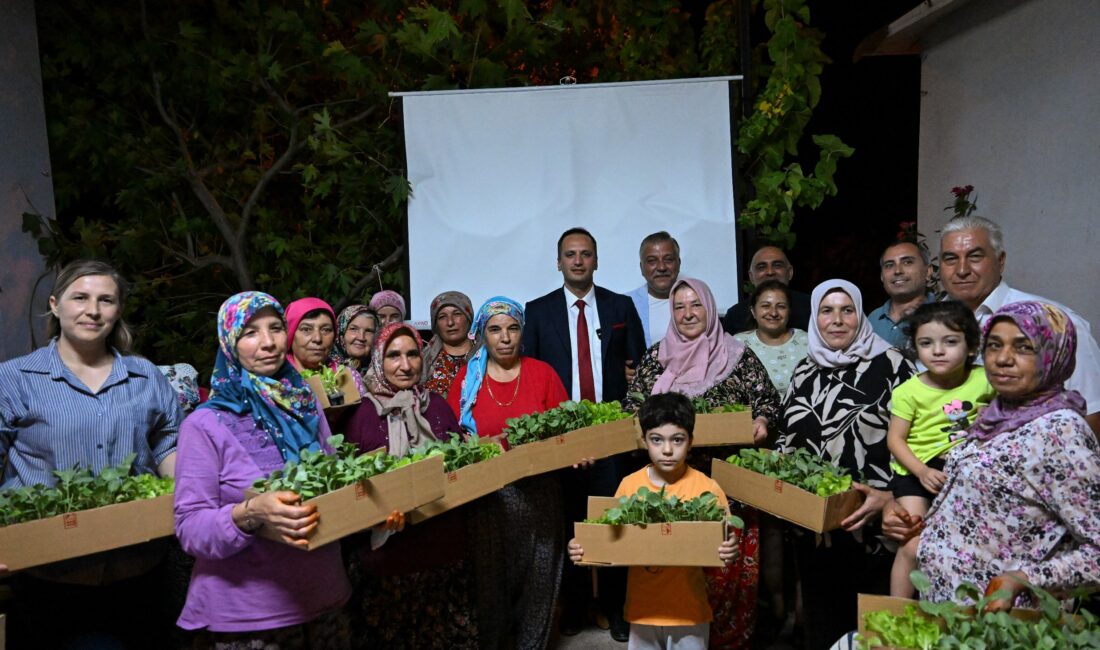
282	405
475	368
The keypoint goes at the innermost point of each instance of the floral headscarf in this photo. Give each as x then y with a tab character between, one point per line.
388	298
339	354
458	300
377	383
401	409
866	345
282	405
1055	339
475	368
185	380
694	365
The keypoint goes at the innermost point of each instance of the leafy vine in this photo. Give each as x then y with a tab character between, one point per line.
771	134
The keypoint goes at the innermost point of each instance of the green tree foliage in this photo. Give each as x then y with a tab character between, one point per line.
771	135
209	146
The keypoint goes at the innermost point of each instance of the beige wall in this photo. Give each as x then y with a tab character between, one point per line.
24	176
1011	105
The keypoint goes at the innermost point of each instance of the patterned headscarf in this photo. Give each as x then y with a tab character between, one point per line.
1055	339
866	345
401	409
475	368
339	354
295	313
694	365
387	298
282	405
458	300
377	383
185	380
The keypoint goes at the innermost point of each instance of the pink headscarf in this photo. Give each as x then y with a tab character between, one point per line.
694	365
295	311
866	344
387	298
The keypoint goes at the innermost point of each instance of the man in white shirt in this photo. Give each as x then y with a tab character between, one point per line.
972	261
659	261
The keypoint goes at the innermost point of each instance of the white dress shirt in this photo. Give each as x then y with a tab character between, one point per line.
659	316
1086	374
592	318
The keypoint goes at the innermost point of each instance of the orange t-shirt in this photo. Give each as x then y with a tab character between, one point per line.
669	595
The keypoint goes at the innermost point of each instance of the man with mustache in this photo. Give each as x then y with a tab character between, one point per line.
659	260
905	273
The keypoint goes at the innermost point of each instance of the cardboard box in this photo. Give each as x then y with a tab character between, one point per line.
86	532
784	500
717	429
347	389
466	484
871	603
682	543
568	449
367	503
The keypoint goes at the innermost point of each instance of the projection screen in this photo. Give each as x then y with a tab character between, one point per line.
498	175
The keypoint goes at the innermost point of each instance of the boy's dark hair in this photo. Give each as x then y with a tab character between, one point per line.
667	408
954	315
577	231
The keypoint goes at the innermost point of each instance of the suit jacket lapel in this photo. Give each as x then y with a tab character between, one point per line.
607	319
560	323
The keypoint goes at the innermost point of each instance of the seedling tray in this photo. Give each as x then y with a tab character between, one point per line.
681	543
357	507
566	450
784	500
85	532
472	482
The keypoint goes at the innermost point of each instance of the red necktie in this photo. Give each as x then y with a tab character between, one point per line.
584	356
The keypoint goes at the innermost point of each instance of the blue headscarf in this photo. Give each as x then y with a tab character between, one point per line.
475	368
282	405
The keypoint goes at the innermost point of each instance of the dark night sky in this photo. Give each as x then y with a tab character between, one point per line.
873	106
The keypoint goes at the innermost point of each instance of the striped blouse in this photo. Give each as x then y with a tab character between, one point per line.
50	420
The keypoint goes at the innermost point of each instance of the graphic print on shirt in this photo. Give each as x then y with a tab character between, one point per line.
956	412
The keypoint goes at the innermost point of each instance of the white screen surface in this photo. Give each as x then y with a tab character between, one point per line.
498	176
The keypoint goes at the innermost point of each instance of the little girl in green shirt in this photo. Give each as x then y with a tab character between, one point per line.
931	412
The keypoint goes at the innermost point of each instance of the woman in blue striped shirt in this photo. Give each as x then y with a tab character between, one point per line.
83	400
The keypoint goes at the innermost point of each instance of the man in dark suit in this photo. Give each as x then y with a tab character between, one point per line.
588	335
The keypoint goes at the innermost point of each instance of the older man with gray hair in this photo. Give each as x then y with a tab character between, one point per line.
972	262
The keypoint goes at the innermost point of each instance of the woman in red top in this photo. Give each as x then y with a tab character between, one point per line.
517	540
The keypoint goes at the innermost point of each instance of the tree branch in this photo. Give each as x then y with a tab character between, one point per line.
371	276
198	187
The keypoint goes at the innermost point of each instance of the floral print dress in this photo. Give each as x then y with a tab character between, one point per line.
1024	500
748	384
443	372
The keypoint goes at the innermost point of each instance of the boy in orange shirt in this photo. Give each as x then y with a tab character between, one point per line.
667	607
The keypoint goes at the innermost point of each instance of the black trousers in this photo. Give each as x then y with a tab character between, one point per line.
832	577
602	479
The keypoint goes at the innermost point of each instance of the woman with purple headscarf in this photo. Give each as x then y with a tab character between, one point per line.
837	407
1020	502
